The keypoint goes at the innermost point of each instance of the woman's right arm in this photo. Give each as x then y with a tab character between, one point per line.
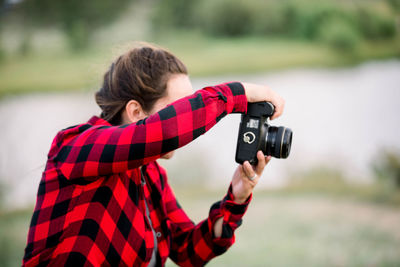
104	150
91	151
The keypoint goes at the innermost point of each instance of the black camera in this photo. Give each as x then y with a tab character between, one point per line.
256	134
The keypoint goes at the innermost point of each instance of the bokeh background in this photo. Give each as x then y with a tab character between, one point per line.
334	202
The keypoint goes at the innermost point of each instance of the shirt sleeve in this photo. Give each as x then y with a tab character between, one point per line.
105	150
195	245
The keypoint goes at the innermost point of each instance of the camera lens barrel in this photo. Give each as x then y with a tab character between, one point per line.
278	141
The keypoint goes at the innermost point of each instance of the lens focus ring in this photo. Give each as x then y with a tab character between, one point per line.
278	142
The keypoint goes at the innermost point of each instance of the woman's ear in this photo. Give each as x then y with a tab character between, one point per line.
133	112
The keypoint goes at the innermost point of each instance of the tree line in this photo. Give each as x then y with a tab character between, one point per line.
340	24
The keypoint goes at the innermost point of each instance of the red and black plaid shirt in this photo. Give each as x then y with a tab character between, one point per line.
90	208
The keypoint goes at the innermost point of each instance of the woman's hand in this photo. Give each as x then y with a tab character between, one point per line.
242	185
259	93
246	177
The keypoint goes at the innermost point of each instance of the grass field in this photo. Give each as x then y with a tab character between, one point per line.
13	232
278	230
58	70
307	231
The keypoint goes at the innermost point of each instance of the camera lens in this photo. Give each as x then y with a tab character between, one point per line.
278	142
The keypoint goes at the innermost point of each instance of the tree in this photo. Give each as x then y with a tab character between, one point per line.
387	168
76	18
3	8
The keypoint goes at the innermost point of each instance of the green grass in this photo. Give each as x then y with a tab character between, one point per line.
206	56
59	70
54	72
307	230
14	227
325	181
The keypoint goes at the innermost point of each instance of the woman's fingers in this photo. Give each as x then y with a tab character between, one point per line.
248	170
258	93
262	162
279	105
253	171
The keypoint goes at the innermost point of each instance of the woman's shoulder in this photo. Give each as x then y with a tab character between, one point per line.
64	136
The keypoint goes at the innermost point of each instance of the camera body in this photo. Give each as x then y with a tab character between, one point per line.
256	134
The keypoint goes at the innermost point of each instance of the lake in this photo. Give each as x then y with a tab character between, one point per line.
341	119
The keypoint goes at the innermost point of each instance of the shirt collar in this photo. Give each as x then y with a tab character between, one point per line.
98	121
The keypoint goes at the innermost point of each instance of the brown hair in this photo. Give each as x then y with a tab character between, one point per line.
140	74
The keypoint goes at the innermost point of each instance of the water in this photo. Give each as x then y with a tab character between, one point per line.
340	119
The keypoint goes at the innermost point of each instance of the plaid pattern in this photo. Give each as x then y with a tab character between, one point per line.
90	208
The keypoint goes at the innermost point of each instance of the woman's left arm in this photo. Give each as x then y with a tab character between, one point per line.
196	244
244	180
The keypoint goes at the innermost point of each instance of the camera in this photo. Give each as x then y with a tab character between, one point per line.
256	134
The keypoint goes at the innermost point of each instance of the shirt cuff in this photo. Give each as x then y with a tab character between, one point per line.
239	97
232	211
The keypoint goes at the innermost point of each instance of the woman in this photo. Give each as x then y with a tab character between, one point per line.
103	199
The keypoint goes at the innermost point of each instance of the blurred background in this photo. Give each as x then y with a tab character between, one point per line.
334	202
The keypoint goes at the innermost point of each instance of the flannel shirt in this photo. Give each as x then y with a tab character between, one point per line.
90	208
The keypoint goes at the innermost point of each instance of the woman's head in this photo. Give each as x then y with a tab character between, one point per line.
140	75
